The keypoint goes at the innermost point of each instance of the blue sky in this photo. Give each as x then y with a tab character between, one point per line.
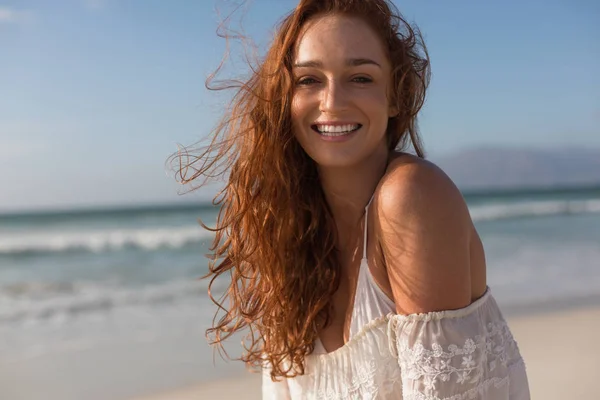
95	94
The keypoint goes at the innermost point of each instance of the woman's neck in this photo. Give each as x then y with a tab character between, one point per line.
349	189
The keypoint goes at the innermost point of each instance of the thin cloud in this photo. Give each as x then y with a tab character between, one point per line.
12	16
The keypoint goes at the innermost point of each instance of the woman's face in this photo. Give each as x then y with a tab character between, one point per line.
340	106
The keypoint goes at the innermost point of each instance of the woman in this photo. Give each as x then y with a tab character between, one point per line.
355	265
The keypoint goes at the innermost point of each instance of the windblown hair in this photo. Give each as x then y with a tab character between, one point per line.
275	234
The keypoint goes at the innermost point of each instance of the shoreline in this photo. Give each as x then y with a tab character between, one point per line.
555	345
540	307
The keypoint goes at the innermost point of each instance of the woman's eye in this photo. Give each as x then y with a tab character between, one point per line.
362	79
306	81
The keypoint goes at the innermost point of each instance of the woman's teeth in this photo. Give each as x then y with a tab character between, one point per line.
336	130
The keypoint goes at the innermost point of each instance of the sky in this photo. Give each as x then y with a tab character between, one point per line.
96	94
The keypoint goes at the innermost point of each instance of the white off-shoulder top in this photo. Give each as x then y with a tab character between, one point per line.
462	354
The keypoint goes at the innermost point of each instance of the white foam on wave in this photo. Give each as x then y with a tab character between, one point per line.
39	301
500	211
100	240
149	239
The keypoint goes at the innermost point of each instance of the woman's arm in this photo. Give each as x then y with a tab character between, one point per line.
447	347
425	233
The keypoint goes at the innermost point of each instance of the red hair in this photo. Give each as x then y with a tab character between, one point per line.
275	234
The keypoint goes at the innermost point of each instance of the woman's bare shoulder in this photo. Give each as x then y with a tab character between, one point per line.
425	231
410	178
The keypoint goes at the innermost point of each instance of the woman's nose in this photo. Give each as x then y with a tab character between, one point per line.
333	98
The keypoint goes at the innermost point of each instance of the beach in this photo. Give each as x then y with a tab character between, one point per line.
106	304
558	348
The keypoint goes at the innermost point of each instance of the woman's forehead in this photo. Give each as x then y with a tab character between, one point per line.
338	37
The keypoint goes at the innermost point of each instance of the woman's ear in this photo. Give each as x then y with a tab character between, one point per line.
393	111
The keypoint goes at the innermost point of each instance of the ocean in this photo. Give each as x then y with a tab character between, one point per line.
78	280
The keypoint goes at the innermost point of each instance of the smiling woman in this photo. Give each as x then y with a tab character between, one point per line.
341	91
354	264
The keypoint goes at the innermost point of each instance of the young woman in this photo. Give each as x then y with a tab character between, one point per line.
355	265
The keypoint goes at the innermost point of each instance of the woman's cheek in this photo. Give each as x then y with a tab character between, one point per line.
296	111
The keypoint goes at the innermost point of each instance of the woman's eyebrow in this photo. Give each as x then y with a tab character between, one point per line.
352	62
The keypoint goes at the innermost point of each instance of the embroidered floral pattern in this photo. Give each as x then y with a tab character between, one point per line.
477	392
427	370
445	356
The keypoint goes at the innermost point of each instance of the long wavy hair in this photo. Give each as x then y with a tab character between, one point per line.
275	235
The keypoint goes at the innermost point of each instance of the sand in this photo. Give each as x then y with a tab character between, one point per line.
559	349
246	387
560	353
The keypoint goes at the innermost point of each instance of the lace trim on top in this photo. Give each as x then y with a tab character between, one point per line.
457	354
446	314
449	355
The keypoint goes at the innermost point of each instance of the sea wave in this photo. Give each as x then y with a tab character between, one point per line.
531	209
54	241
42	300
98	241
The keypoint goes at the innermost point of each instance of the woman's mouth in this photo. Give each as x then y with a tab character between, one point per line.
335	130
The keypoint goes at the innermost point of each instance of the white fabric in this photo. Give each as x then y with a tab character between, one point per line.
448	355
370	302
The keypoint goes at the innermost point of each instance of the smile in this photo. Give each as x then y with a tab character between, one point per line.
335	130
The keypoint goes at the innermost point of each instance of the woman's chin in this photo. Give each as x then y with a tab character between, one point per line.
336	160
